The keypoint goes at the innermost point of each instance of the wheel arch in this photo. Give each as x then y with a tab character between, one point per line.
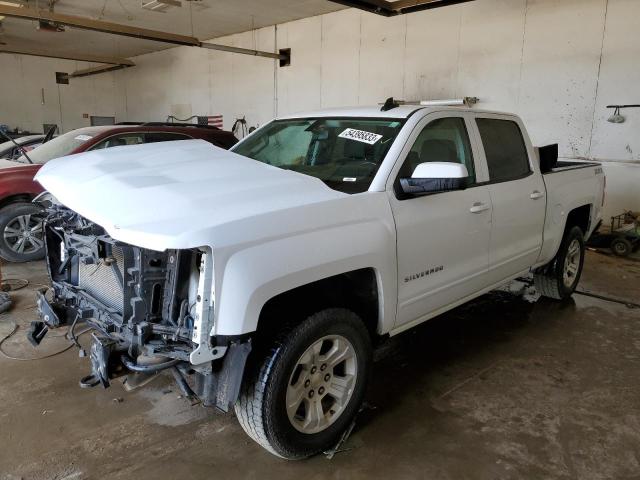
16	198
580	217
559	221
356	290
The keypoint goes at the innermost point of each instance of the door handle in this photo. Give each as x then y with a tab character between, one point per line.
478	207
536	195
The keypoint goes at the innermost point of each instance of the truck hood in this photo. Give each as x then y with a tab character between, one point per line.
174	194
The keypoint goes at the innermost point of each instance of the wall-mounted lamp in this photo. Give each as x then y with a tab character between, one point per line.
617	117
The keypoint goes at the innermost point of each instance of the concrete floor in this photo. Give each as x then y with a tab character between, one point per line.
501	388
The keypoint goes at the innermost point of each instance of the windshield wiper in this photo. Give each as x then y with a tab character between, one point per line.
24	152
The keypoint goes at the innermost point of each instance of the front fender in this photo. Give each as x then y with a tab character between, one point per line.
256	274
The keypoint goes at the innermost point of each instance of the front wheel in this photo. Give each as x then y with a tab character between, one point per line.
559	279
299	397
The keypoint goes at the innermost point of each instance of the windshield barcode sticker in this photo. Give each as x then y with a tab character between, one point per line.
360	136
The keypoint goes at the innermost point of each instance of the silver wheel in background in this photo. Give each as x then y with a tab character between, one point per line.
321	384
572	263
25	234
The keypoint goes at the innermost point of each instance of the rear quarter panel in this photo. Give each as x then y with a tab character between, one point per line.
566	190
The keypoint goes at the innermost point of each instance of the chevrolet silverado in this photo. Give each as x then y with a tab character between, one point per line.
261	277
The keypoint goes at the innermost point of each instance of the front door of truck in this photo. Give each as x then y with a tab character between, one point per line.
442	238
517	194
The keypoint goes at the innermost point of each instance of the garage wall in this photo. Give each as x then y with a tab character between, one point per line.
555	63
194	81
30	96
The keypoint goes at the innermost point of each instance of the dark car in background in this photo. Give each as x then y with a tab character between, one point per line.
21	232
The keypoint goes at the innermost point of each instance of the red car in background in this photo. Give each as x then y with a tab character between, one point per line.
21	231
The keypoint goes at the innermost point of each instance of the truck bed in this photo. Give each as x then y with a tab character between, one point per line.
562	166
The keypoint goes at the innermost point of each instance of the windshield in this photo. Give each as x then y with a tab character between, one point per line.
345	153
61	145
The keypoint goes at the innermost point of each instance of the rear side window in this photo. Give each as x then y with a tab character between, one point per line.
120	141
504	148
153	137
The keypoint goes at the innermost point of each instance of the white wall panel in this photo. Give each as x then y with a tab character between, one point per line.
619	84
13	106
431	55
22	82
253	79
340	58
382	44
622	188
560	71
299	84
491	41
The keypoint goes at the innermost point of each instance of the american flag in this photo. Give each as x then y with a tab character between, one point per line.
213	120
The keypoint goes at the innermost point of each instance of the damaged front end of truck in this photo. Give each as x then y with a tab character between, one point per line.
149	311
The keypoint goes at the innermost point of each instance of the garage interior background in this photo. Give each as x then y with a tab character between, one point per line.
556	63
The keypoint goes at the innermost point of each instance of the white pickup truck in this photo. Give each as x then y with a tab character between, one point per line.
262	276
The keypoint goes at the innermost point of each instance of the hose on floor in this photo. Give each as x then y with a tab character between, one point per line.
13	331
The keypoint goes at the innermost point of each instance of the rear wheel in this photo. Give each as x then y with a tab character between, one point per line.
21	232
621	246
560	277
300	396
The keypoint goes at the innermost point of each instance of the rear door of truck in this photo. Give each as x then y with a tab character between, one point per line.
517	193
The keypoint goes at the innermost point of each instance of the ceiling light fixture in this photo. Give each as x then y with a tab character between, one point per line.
160	5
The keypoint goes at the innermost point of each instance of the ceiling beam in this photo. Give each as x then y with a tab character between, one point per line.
381	7
410	6
65	56
128	31
398	7
85	72
244	51
98	25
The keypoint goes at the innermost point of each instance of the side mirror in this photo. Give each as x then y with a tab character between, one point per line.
433	177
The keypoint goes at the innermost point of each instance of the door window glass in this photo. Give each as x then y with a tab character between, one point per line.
442	140
504	148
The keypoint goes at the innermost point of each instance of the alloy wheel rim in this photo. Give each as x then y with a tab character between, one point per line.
321	384
571	263
24	234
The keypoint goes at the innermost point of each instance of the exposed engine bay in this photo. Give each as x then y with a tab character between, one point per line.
149	311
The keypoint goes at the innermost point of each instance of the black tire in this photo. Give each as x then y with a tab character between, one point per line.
33	247
261	408
549	280
621	246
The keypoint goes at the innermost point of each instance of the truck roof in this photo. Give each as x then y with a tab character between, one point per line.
374	111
